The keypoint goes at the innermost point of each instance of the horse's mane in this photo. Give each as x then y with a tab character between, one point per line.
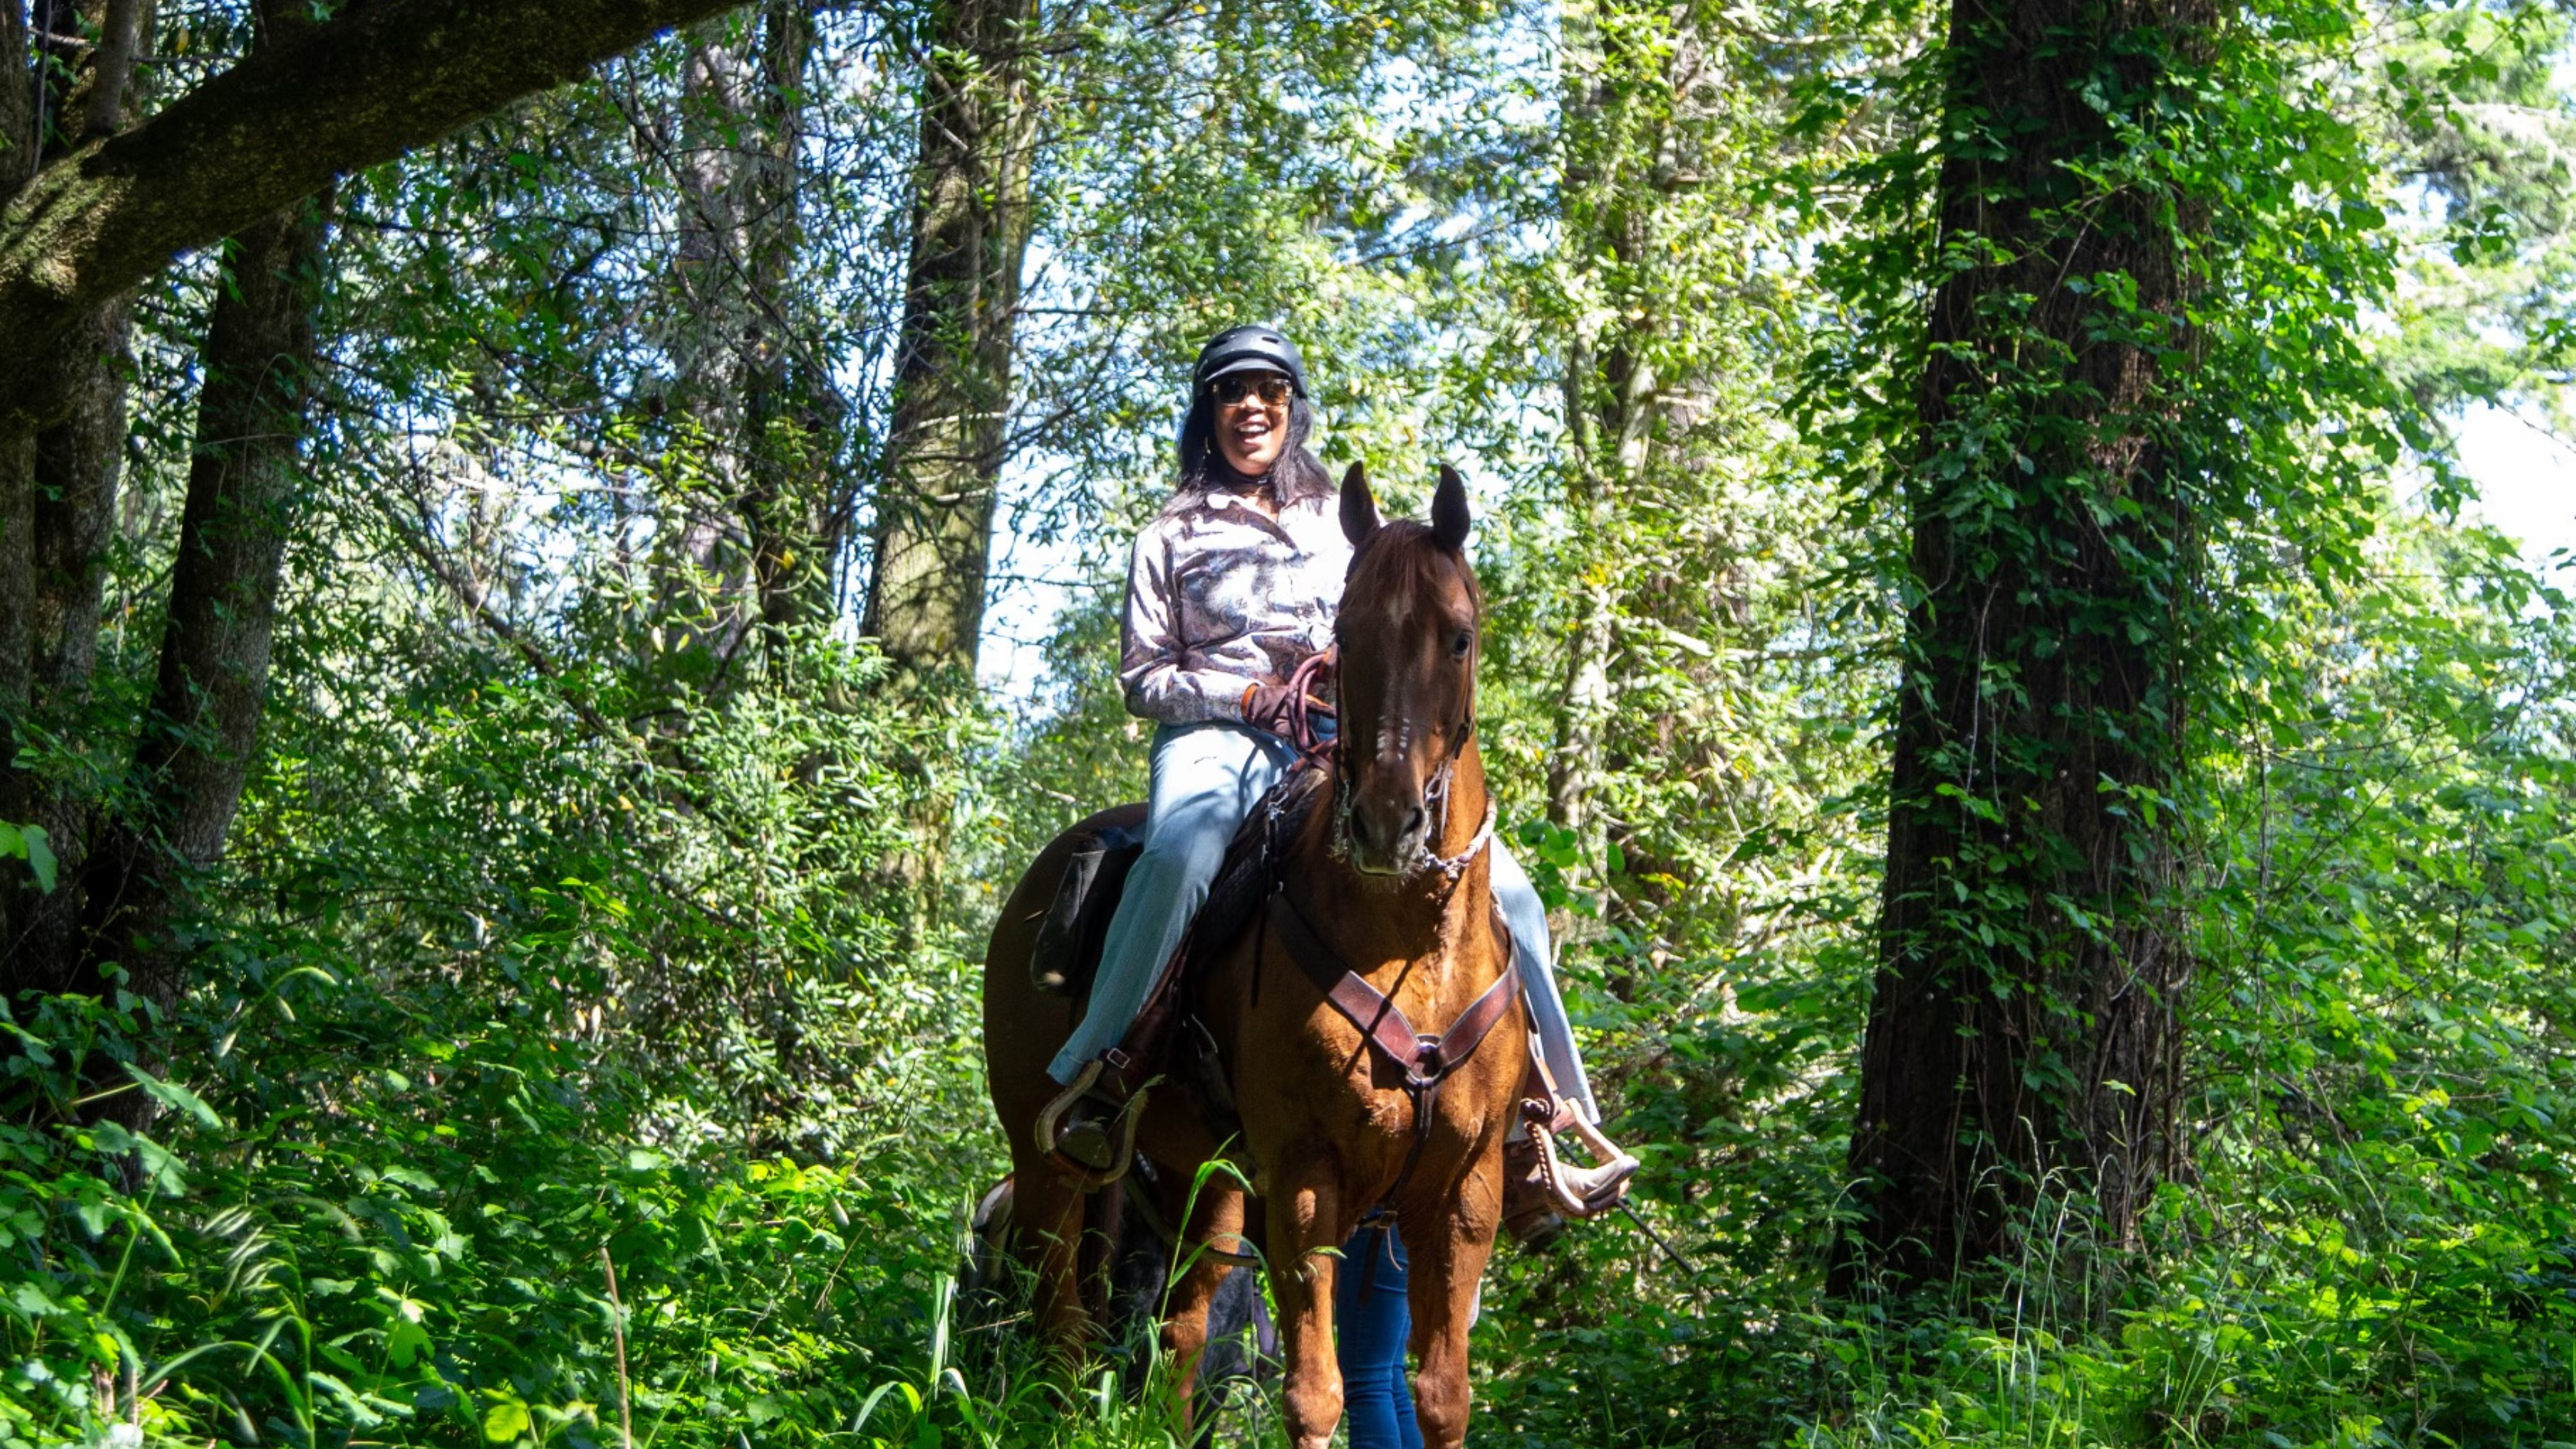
1402	556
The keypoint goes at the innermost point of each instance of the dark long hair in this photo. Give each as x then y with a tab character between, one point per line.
1297	474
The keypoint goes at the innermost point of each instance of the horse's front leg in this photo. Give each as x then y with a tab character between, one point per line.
1214	1226
1447	1243
1306	1230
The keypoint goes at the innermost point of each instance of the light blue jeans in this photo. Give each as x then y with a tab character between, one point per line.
1206	779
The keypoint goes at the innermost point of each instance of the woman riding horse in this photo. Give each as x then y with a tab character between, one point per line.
1232	588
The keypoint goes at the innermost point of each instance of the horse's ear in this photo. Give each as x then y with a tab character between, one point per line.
1449	511
1359	509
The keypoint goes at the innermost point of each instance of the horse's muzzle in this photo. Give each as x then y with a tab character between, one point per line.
1388	831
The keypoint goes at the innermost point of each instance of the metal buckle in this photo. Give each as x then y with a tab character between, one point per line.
1426	1065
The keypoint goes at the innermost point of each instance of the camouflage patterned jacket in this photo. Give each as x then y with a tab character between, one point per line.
1219	597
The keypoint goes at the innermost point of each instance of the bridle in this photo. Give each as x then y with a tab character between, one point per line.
1426	1059
1435	795
1435	799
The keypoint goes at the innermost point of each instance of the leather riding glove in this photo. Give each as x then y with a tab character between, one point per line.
1267	707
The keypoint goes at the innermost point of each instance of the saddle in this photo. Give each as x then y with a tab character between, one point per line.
1067	953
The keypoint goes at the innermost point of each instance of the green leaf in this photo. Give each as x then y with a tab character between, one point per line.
505	1421
40	857
30	844
31	1301
403	1343
175	1097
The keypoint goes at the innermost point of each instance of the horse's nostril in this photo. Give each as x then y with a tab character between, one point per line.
1359	827
1413	820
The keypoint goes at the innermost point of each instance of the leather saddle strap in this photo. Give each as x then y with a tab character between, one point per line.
1377	1016
1468	1032
1551	1101
1448	1054
1371	1010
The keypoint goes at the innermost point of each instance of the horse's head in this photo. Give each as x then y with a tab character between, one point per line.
1407	640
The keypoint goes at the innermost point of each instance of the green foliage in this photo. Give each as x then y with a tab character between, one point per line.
30	844
400	1235
2468	107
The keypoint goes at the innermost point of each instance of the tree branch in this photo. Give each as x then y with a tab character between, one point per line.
368	86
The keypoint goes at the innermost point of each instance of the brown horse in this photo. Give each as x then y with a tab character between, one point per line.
1389	880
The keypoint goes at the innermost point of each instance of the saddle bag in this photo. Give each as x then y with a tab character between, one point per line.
1067	953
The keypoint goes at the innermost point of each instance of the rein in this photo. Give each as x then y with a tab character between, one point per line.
1302	682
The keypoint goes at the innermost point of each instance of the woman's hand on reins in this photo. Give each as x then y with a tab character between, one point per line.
1274	707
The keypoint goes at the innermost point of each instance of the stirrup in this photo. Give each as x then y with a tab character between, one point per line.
1578	1192
1119	1118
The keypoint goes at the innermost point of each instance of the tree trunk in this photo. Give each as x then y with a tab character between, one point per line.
1597	416
17	450
952	397
703	579
2021	1035
789	414
17	100
934	512
243	487
1631	113
1637	126
759	547
79	459
1583	700
70	470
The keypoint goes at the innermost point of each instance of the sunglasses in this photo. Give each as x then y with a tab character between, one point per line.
1231	390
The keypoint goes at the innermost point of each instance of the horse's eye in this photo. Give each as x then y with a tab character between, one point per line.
1465	641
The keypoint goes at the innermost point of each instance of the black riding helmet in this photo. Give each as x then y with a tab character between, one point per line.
1245	349
1297	476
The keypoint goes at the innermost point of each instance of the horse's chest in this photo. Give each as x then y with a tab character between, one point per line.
1326	1071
